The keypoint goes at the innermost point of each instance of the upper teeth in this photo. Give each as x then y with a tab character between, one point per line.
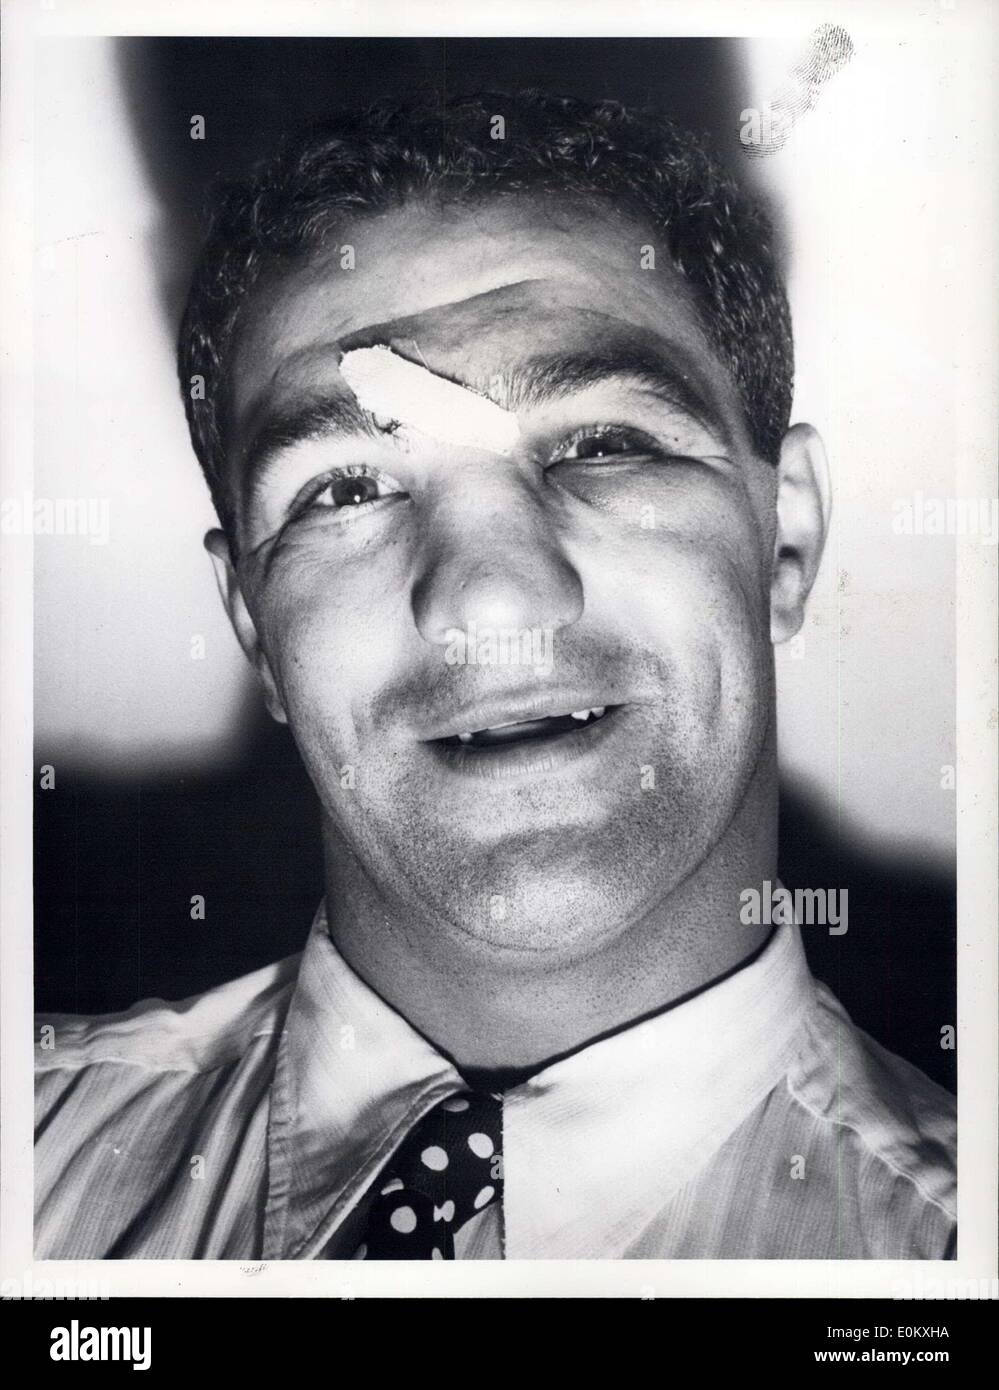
596	711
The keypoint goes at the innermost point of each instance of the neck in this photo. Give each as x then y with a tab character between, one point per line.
492	1011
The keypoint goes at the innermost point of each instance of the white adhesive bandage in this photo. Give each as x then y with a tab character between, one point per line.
402	391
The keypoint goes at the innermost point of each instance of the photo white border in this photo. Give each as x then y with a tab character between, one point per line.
977	624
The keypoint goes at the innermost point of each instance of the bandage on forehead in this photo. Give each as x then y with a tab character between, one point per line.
394	388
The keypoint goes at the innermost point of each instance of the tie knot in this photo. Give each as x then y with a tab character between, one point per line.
448	1168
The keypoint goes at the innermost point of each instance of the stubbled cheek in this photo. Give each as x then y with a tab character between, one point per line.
328	643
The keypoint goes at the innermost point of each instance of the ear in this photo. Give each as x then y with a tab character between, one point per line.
803	506
242	624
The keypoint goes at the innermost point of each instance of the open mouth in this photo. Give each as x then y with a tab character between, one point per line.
527	730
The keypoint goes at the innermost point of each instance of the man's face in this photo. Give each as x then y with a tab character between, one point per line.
408	592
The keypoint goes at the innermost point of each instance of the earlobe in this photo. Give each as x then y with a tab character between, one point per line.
803	508
243	625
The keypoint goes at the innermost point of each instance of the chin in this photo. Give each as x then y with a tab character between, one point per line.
537	895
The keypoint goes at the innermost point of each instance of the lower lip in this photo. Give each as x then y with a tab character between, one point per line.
536	755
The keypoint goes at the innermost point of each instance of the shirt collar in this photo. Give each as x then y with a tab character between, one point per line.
596	1144
593	1145
352	1079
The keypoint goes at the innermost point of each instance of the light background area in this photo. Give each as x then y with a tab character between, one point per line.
873	180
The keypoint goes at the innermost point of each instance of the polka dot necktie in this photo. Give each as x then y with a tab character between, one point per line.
447	1169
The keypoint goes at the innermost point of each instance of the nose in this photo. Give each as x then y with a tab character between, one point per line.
493	558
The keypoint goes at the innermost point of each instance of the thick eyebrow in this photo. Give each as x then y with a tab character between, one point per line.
317	416
550	377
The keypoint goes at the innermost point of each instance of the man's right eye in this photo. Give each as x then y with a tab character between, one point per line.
348	489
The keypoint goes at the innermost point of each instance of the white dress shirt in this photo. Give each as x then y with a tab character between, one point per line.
753	1120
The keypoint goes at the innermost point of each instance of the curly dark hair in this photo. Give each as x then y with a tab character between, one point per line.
718	238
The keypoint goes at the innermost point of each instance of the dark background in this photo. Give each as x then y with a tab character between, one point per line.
117	860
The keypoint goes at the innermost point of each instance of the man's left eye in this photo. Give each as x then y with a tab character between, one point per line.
596	445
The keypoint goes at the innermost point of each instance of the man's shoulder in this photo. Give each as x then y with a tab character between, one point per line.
125	1102
195	1035
889	1115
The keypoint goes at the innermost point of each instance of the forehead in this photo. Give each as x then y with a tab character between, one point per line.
470	292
